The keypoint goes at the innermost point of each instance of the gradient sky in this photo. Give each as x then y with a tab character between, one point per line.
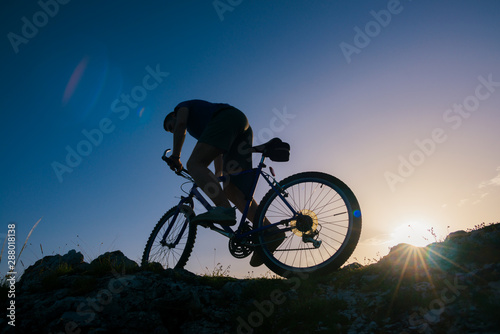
384	116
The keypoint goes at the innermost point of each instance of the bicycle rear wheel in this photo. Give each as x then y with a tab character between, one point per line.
172	239
322	234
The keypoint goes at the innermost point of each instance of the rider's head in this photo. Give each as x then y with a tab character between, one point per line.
169	122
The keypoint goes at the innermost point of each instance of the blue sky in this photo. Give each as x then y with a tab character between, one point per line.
382	118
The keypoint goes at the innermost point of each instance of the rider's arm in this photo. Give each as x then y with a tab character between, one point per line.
218	166
180	130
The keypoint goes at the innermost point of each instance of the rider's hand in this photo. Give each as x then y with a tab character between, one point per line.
175	163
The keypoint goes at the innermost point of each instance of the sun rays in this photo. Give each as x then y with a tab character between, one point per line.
410	266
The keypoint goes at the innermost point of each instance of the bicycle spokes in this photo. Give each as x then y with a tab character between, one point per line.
172	239
316	217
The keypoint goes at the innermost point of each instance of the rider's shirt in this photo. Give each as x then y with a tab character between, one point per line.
200	113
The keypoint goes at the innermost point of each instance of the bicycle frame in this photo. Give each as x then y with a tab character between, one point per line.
308	223
226	230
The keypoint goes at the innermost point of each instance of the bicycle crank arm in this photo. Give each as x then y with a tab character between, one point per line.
219	230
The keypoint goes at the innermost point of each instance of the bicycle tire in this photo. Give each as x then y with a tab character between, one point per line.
332	208
177	256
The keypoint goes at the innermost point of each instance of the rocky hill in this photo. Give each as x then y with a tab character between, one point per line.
447	287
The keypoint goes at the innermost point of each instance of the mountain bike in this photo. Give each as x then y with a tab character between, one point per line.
309	222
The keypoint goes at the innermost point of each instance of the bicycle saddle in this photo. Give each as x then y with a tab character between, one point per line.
275	149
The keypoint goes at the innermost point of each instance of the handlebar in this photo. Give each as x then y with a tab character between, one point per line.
183	172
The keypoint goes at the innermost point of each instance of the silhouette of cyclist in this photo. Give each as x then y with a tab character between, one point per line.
225	138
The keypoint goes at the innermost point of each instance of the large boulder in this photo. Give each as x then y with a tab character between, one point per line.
54	265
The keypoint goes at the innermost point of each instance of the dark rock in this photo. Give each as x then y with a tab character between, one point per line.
452	286
44	268
115	260
456	235
352	266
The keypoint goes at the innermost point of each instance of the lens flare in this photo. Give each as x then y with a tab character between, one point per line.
74	80
140	112
86	71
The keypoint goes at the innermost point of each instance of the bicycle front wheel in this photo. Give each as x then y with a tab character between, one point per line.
172	239
320	223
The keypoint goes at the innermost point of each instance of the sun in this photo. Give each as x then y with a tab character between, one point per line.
414	233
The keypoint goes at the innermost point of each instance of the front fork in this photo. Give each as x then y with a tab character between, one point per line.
185	207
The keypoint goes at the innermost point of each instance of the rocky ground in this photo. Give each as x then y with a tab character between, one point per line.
447	287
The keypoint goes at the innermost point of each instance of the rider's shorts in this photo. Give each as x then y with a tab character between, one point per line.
229	131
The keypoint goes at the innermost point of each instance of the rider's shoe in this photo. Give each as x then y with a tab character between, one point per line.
218	215
277	239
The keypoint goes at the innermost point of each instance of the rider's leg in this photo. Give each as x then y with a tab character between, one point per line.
236	196
202	156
